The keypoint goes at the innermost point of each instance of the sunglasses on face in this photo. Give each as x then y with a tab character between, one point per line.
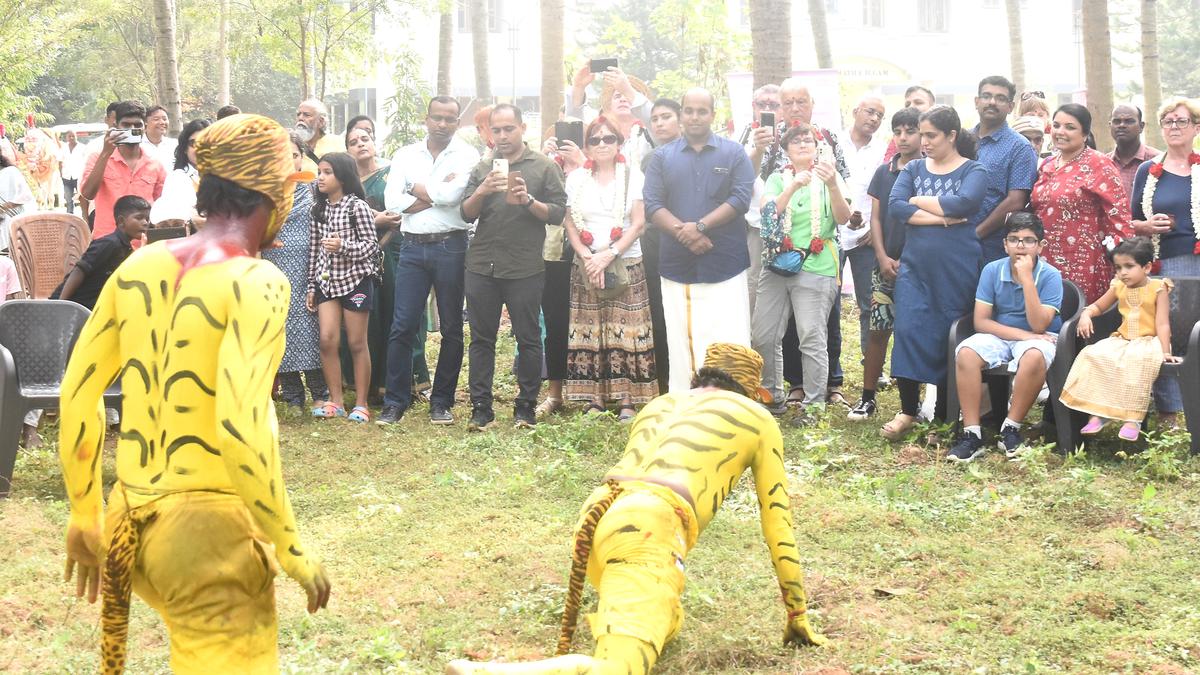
607	139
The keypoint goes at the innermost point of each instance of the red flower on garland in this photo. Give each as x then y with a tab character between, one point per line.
589	165
620	158
587	238
1156	268
1196	249
816	245
1194	159
754	124
614	235
1156	170
795	123
787	244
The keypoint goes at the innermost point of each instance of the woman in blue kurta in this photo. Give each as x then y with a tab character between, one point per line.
939	197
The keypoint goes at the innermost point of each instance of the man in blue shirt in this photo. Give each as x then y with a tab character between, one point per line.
1010	161
697	193
1017	319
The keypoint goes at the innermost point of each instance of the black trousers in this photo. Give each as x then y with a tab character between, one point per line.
556	311
485	298
662	359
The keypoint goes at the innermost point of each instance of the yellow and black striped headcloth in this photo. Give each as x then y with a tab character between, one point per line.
743	364
254	152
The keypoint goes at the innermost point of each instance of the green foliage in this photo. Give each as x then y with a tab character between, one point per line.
1178	40
406	108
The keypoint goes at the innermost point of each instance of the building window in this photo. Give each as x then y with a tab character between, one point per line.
873	13
933	16
495	8
944	99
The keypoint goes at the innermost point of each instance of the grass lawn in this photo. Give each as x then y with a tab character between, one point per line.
442	543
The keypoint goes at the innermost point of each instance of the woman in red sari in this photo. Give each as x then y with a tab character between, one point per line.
1080	198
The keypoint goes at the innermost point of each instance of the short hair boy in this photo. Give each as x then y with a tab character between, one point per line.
83	283
1017	304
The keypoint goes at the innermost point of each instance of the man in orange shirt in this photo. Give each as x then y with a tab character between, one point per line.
123	168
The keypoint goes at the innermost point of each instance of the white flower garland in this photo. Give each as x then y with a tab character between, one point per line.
814	197
576	206
1152	185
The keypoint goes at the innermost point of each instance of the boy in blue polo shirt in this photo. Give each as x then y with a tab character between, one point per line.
1017	307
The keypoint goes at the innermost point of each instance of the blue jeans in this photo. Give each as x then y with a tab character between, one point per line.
438	265
1168	398
862	263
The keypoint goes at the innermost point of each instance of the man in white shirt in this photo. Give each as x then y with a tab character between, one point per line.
73	157
426	184
864	153
156	143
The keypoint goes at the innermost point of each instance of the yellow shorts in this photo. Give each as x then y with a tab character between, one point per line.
209	570
637	564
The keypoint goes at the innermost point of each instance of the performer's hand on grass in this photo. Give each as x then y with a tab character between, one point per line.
317	589
84	552
800	633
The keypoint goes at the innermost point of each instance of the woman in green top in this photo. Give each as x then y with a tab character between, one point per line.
360	143
802	206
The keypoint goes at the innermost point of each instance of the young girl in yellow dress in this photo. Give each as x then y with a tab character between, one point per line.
1112	378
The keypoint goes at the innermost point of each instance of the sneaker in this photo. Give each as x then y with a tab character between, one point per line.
861	411
481	419
777	409
391	414
883	383
967	447
1011	441
524	416
440	414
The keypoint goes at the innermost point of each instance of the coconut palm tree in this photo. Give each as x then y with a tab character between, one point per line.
479	45
1016	44
771	40
816	15
1097	62
445	48
166	61
552	61
1151	78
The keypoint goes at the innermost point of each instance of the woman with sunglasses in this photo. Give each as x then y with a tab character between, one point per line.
373	171
1079	198
802	205
610	347
1166	192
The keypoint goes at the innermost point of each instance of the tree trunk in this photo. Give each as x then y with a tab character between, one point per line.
1016	45
553	72
1151	78
1097	62
479	47
816	15
305	83
223	97
445	49
771	40
166	59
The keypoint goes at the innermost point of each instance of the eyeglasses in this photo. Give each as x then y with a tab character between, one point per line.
1177	123
607	139
766	105
1026	95
998	98
793	102
1028	242
802	140
871	112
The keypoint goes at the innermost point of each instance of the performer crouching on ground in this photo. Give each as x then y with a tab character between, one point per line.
194	329
686	452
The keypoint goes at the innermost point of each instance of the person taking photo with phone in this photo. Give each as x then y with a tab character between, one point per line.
121	168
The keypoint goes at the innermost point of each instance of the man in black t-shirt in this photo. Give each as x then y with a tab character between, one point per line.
887	236
83	283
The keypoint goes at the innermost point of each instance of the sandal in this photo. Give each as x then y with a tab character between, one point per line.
898	428
548	406
328	410
359	413
1130	431
594	408
1093	426
836	397
795	396
626	413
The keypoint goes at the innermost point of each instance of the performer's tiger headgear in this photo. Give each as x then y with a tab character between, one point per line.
254	152
743	364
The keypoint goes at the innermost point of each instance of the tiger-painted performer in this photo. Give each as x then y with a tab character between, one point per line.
194	330
685	453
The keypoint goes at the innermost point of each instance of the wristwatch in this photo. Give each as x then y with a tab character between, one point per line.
530	202
612	248
700	226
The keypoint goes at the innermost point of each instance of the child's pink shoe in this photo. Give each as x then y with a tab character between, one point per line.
1130	431
1093	426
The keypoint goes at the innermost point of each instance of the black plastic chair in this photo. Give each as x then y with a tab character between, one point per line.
1185	342
1056	375
36	338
